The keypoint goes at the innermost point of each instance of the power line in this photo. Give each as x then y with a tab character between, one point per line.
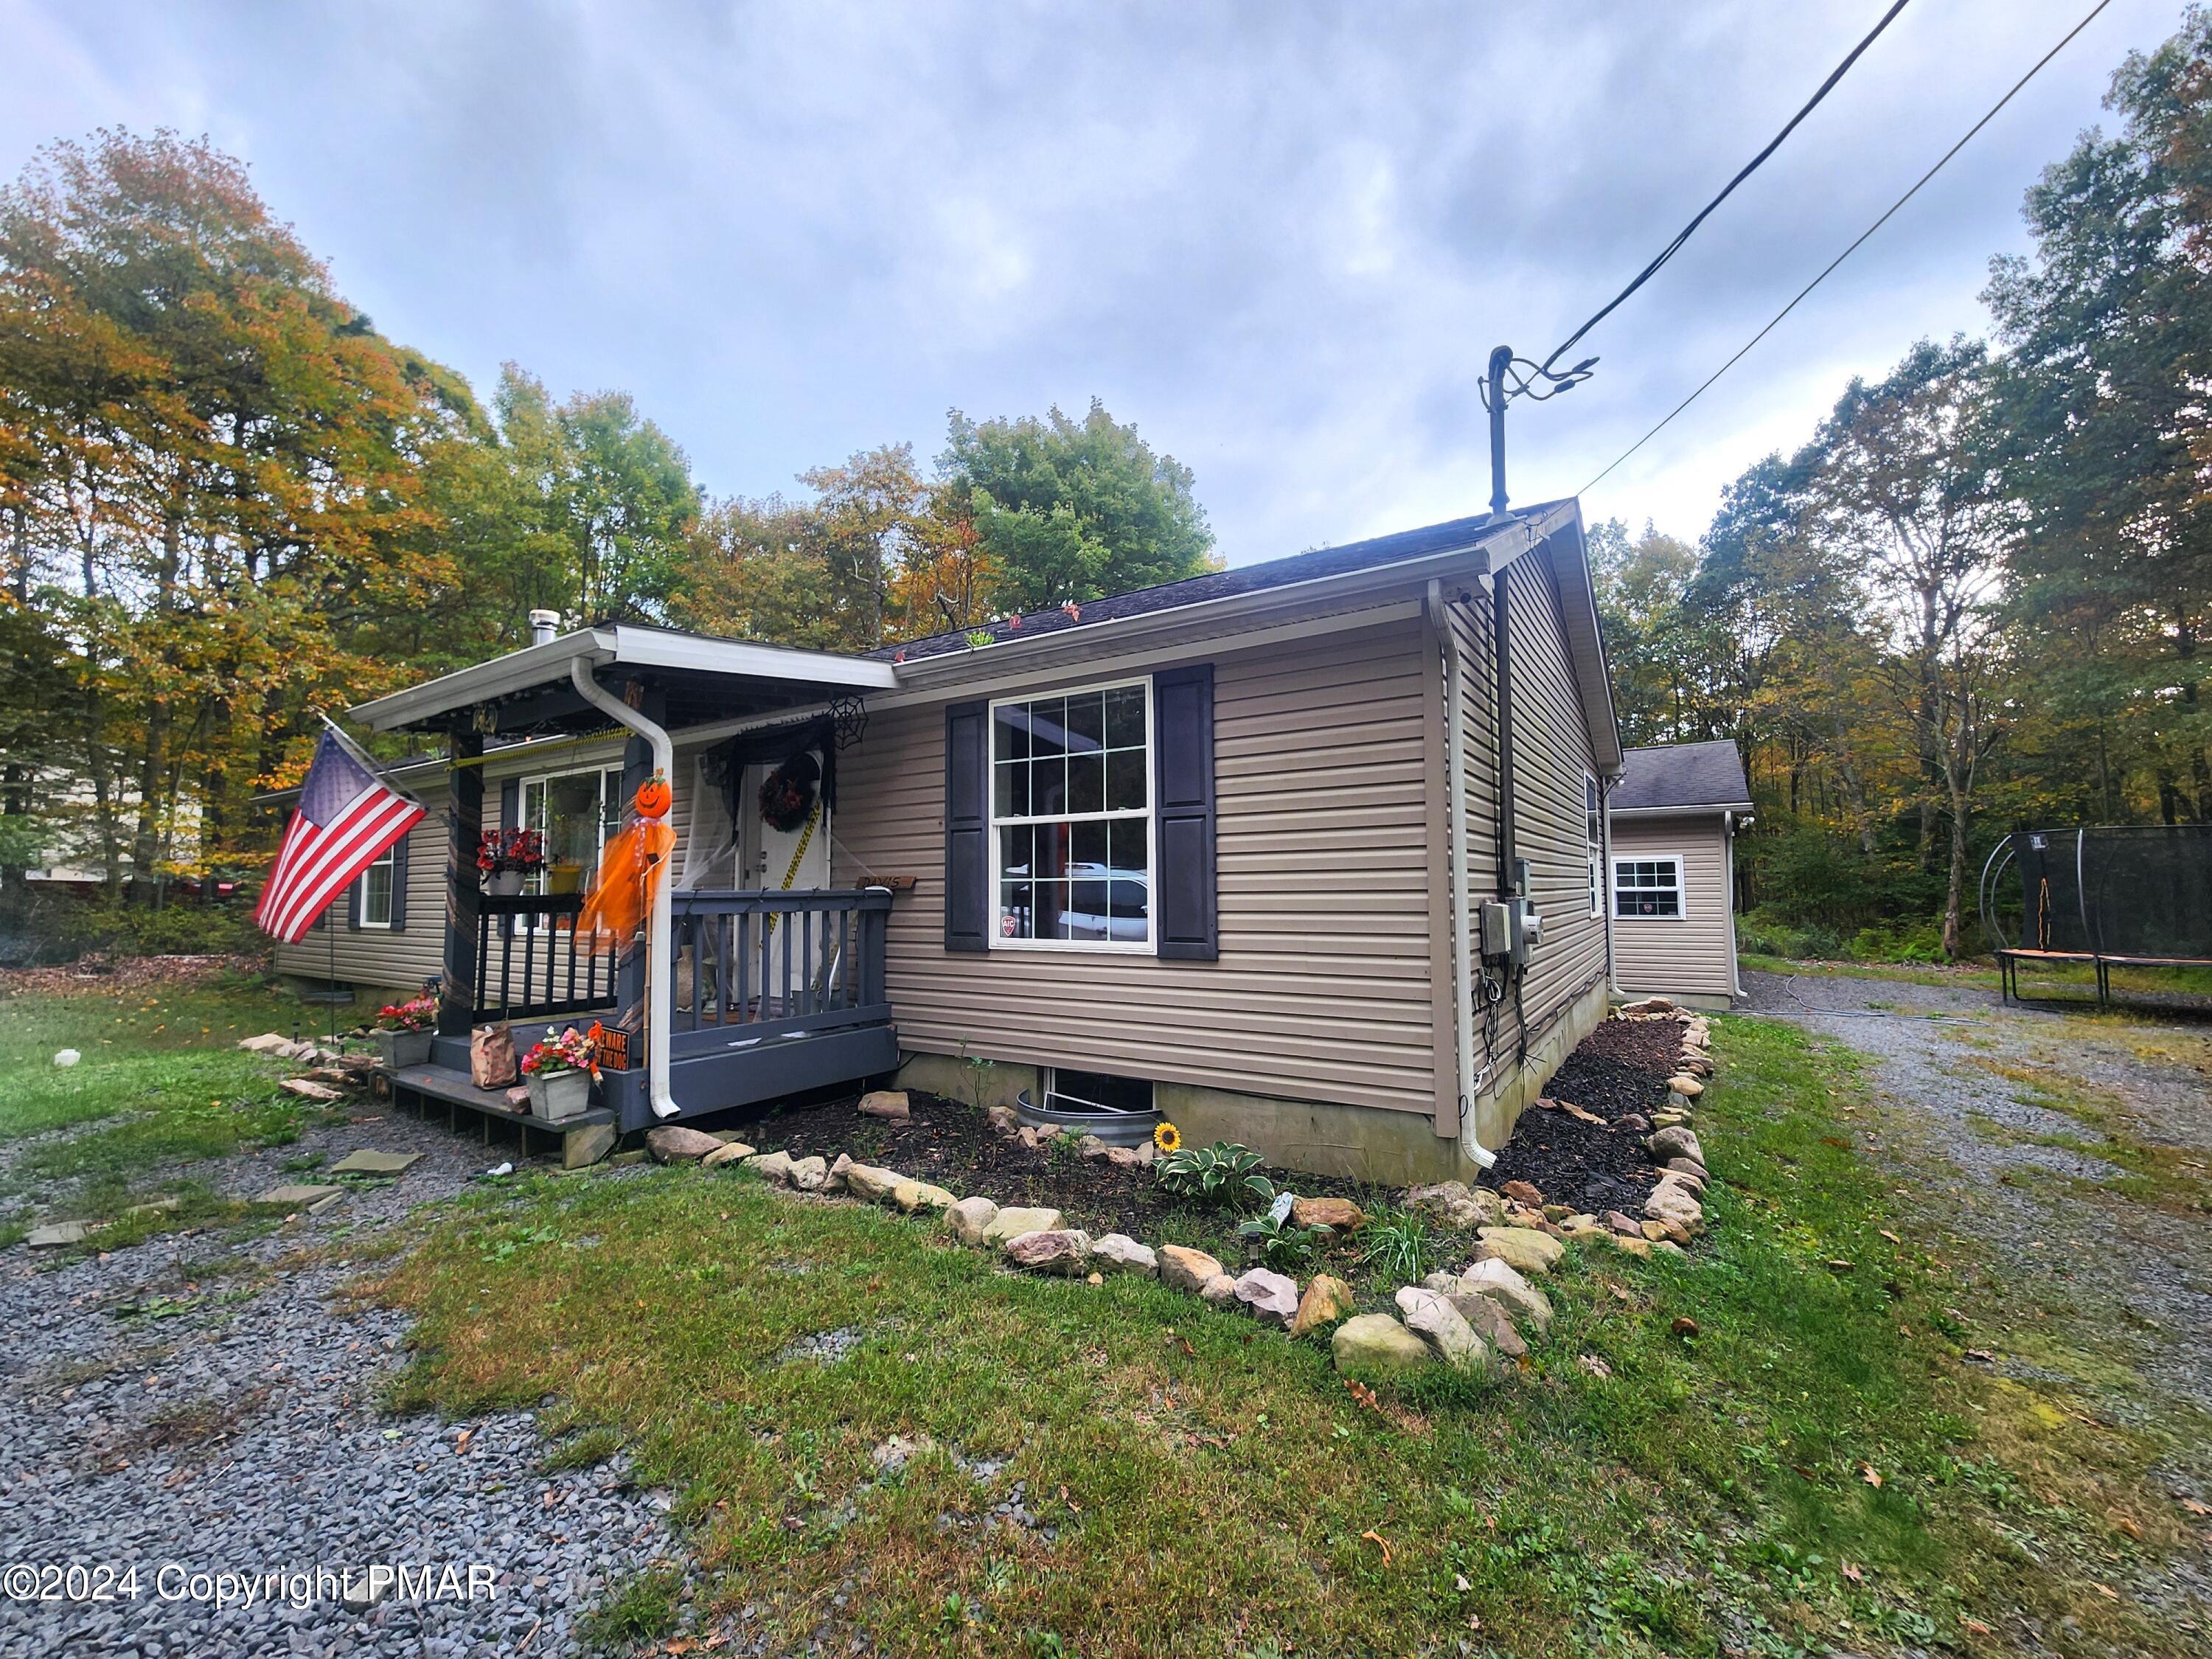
1747	169
2035	69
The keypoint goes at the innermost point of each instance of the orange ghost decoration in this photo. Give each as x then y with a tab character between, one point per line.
631	870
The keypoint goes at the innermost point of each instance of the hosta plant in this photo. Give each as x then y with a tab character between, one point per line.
1223	1173
1282	1243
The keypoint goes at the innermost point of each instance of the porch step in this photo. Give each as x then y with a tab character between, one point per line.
584	1139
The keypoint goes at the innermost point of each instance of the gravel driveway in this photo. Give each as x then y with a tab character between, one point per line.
1973	1094
214	1406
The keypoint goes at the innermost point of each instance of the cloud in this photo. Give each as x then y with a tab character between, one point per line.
1282	240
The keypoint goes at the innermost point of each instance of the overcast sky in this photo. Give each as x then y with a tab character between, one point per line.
1280	238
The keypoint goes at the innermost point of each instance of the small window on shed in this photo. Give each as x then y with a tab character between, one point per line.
1095	1091
1647	887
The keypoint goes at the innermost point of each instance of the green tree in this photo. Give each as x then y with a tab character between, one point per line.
1073	509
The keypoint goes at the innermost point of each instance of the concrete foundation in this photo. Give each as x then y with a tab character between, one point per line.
1490	1123
1704	1002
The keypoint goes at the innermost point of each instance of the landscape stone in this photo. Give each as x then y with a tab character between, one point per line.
1340	1213
1124	1158
307	1089
1013	1222
1523	1192
1621	1224
732	1152
366	1162
1522	1248
297	1195
1677	1141
1674	1203
1002	1121
1432	1317
969	1217
673	1143
57	1233
889	1104
1065	1250
810	1174
1490	1322
771	1166
1326	1300
1683	1083
1270	1298
1027	1136
1182	1269
1122	1254
1641	1247
1499	1281
267	1042
912	1196
1376	1342
1091	1147
870	1182
1690	1167
837	1183
1456	1204
1219	1292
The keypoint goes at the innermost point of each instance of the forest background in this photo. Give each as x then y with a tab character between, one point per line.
1976	597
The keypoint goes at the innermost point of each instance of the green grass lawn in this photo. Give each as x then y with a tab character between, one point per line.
1812	1465
163	1064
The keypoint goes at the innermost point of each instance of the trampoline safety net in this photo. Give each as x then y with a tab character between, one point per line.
2131	890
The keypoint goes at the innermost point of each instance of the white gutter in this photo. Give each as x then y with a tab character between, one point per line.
1463	915
660	980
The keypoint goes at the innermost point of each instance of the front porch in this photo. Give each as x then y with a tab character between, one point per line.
731	997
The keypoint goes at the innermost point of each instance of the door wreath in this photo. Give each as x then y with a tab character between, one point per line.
787	795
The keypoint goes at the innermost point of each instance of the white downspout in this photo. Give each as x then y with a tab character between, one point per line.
1462	915
659	979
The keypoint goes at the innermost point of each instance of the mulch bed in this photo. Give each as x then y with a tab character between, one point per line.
1621	1069
950	1139
100	973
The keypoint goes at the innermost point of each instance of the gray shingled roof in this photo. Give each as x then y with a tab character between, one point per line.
1681	775
1221	584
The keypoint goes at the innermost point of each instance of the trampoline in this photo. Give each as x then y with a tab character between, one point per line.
2115	895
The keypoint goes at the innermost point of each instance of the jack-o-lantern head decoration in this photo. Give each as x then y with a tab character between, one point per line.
653	797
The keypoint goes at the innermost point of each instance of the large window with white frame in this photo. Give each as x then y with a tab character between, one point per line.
1647	888
376	889
1072	819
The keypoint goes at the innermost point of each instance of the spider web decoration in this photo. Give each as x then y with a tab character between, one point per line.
848	720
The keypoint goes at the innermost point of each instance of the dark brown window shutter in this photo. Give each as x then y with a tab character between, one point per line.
399	884
968	827
1183	909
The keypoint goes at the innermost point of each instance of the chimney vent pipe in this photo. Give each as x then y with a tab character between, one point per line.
543	624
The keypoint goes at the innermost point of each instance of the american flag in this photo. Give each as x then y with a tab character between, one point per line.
347	817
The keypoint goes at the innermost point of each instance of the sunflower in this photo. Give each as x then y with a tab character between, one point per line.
1167	1137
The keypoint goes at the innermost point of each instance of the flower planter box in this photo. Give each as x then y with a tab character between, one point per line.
559	1096
398	1048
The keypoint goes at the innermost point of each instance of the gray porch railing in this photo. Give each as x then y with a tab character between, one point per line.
527	963
803	962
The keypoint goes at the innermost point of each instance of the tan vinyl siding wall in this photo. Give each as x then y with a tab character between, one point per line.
1322	990
387	958
1689	956
1551	760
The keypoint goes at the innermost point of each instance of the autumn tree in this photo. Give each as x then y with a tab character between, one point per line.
1069	509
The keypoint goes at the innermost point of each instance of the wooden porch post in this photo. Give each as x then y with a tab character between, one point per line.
651	702
457	987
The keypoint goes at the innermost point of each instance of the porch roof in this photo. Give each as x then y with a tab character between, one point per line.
704	678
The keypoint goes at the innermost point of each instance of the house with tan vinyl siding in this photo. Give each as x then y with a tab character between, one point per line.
1298	855
1673	816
